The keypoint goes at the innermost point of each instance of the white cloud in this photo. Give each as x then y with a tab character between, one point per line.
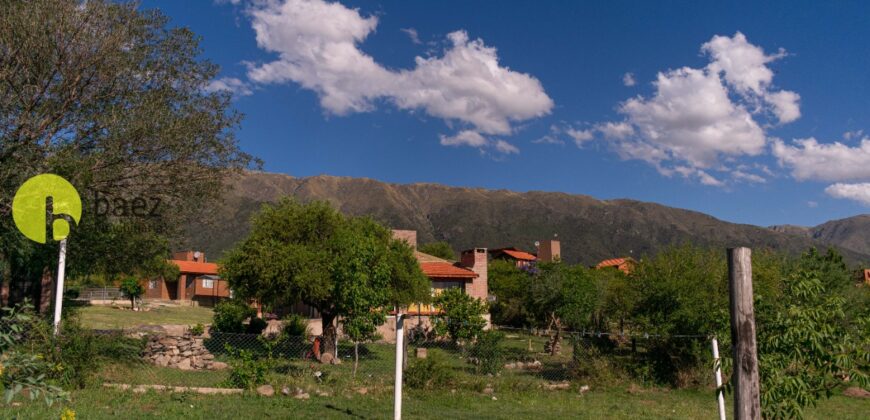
857	192
318	47
474	139
412	33
628	79
809	159
853	135
579	136
742	175
699	117
812	204
558	131
236	86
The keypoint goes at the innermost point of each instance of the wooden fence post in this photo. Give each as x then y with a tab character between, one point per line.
747	394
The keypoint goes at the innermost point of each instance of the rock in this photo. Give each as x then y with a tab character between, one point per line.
363	391
584	389
302	396
510	366
488	390
854	391
219	365
558	386
327	358
322	394
285	391
184	364
266	390
422	352
207	356
494	398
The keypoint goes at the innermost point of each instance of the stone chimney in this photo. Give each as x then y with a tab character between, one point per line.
550	251
409	236
476	260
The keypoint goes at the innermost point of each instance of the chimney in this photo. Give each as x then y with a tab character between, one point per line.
550	251
197	256
409	236
476	260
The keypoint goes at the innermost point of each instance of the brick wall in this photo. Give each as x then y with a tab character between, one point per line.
476	260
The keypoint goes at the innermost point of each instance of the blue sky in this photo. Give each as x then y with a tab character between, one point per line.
753	113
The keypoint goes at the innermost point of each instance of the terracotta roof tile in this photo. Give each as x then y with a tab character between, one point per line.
520	255
446	269
193	267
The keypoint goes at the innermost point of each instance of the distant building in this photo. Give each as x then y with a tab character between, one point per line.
521	258
626	265
198	281
550	251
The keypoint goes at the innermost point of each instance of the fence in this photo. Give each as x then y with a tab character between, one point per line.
100	293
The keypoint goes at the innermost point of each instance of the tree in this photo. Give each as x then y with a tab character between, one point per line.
806	344
112	99
461	315
342	266
510	286
131	289
439	249
562	296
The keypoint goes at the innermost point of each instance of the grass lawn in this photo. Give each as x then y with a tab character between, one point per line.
108	317
597	404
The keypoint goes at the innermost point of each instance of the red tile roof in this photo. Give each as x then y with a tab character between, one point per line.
434	267
193	267
446	269
519	255
613	262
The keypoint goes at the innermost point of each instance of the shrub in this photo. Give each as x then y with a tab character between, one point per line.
428	373
246	371
197	329
488	353
131	289
256	326
230	316
462	315
295	325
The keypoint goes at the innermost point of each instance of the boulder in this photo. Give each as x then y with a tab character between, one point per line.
219	365
266	390
422	352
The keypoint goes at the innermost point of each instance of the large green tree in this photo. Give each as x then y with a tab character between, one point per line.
114	100
563	296
347	267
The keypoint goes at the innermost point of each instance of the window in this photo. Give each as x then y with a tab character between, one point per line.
152	284
207	283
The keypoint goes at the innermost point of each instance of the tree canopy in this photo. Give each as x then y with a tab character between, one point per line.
347	267
111	98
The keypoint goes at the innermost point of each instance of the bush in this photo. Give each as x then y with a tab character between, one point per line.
462	315
246	371
295	325
197	329
488	353
131	289
428	373
256	326
230	316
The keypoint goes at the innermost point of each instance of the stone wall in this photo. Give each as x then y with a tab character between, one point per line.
185	352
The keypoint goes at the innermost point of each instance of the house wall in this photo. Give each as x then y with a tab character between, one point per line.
477	260
160	291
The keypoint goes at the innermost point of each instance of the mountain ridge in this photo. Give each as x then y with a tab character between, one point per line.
590	229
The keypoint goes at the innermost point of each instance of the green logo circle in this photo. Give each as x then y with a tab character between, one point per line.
30	207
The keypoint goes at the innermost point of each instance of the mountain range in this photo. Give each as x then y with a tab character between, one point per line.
589	229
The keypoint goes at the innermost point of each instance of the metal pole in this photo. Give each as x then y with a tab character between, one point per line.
58	293
400	346
718	365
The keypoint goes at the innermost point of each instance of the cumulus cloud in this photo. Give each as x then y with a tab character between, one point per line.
317	44
810	160
628	79
559	131
412	33
699	117
474	139
235	86
859	192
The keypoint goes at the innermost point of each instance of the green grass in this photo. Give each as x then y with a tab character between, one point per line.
107	317
596	404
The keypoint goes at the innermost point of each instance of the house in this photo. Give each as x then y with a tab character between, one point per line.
198	281
864	276
626	265
522	259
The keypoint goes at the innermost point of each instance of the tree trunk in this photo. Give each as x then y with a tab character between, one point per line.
132	303
327	344
355	357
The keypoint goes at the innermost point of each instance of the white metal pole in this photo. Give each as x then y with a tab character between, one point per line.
58	292
400	346
718	365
